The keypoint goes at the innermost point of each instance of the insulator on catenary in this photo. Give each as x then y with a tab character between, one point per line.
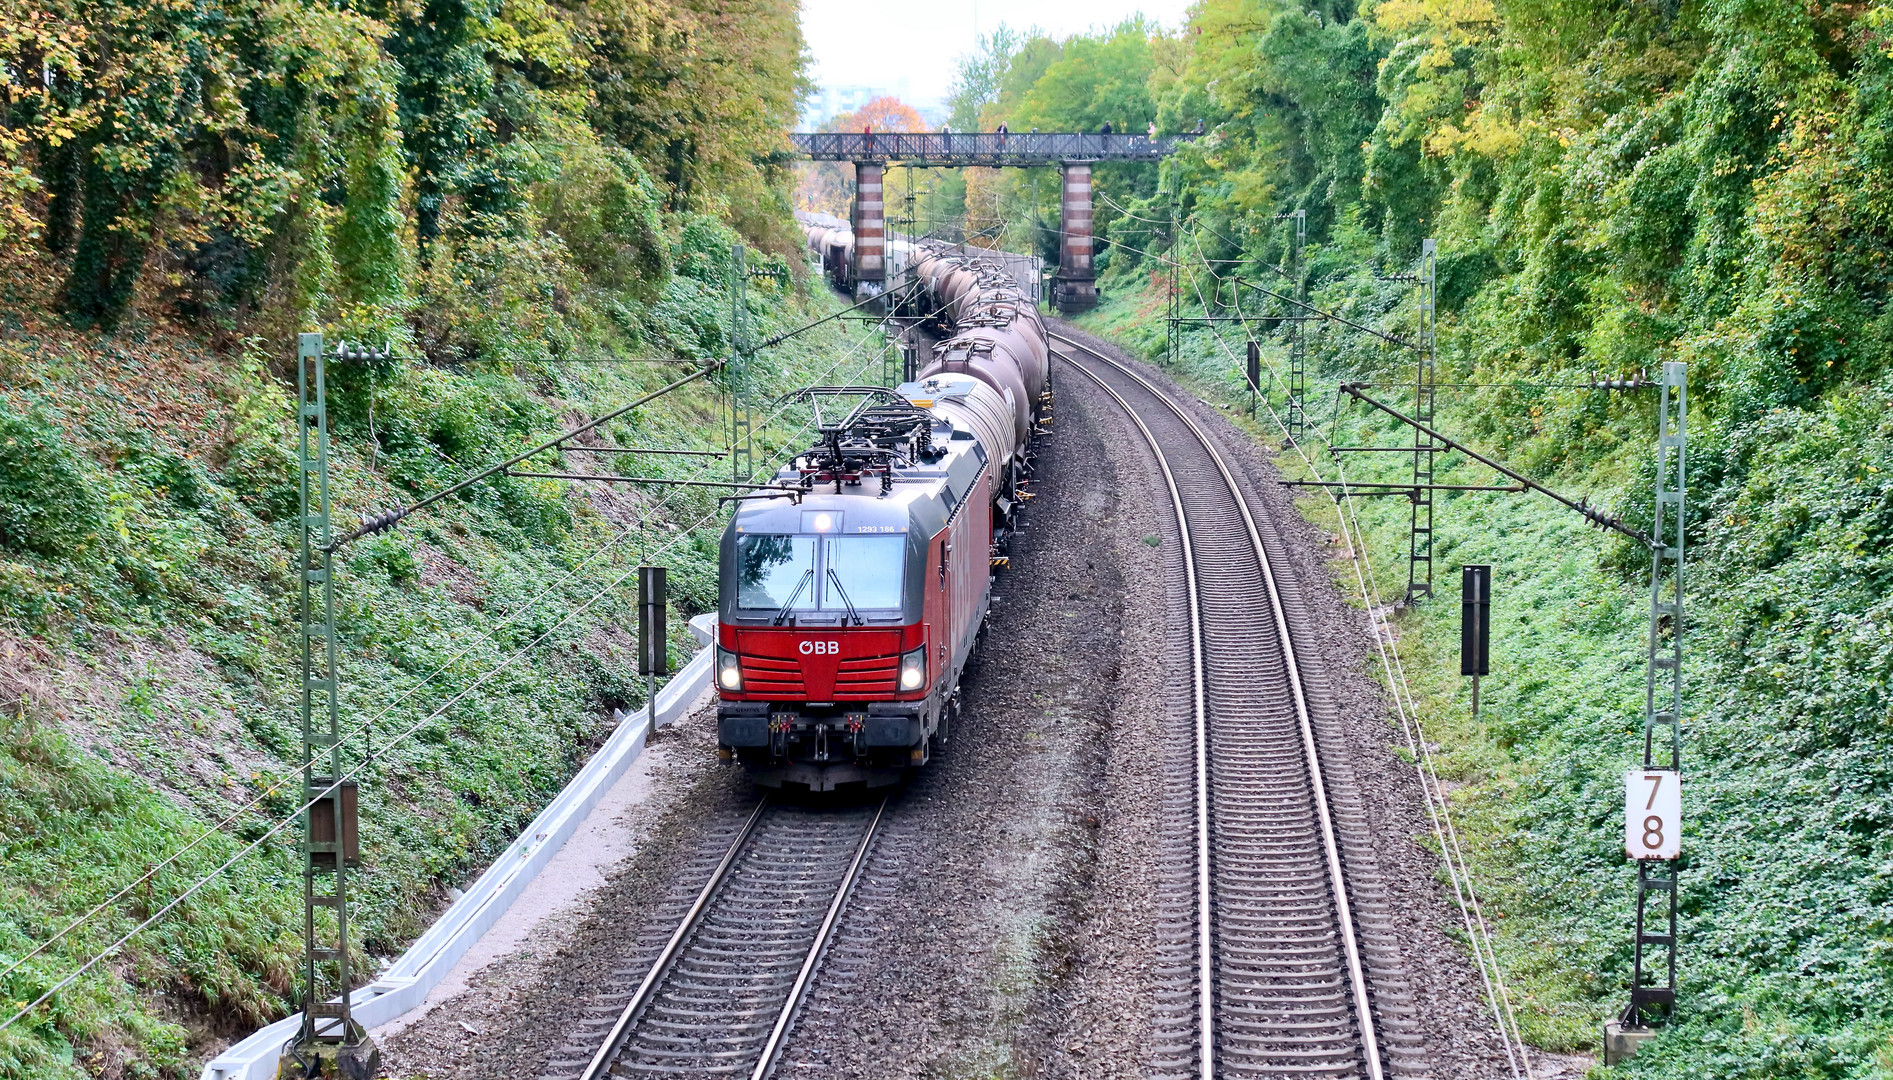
1599	517
1635	382
343	352
381	522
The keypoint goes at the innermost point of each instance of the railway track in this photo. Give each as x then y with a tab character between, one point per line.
1293	965
719	997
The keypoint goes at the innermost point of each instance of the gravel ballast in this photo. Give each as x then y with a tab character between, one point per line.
1460	1034
1009	919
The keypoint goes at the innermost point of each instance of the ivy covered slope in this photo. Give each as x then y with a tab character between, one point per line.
1612	186
1788	656
149	648
509	194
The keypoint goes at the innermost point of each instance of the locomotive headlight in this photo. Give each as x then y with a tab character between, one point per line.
913	669
729	673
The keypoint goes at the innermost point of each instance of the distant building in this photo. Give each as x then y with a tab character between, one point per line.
934	113
827	102
830	101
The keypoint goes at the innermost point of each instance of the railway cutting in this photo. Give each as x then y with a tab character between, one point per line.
592	507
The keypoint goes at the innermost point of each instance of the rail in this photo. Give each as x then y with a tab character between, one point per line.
769	838
1205	854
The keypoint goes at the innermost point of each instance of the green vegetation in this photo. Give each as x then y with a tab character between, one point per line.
514	196
509	190
1612	186
148	642
297	161
1785	743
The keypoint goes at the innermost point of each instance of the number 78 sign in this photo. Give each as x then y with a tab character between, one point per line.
1653	814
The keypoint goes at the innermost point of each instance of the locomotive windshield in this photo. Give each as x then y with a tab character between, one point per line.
864	570
774	570
809	573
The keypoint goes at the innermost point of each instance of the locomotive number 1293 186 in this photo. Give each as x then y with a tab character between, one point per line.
1653	814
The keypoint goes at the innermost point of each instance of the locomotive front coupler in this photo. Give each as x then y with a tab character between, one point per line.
791	730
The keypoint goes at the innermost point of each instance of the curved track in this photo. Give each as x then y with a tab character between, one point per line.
1279	984
720	996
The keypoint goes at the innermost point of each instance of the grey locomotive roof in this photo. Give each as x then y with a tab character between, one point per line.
923	497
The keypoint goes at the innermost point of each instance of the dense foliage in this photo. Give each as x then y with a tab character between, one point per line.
496	184
148	515
348	164
515	195
1612	186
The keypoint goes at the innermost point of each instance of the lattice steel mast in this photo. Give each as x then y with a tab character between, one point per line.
1298	347
742	421
1663	687
329	1033
1420	535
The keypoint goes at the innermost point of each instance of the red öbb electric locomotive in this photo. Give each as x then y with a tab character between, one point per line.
848	611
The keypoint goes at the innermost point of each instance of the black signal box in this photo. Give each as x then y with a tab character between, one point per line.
1475	620
653	631
334	822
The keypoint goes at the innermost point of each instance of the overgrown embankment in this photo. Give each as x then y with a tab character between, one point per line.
515	196
148	642
1611	187
1788	659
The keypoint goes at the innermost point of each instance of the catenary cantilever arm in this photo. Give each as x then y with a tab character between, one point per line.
1591	513
1363	328
387	520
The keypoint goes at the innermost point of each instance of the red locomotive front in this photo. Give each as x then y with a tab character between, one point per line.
847	614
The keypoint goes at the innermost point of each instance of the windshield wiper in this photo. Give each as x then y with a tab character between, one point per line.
783	611
852	613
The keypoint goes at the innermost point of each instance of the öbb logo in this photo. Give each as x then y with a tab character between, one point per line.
820	648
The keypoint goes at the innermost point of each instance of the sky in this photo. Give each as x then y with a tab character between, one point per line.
910	46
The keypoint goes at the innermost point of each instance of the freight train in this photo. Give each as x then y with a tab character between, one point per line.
851	603
831	243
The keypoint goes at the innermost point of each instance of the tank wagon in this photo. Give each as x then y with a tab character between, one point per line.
830	241
849	607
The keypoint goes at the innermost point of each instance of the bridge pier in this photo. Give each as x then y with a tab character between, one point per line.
1076	288
870	231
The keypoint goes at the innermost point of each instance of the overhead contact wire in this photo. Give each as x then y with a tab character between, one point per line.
334	784
608	1050
1475	927
363	726
1336	873
1449	842
1205	960
357	729
1458	866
